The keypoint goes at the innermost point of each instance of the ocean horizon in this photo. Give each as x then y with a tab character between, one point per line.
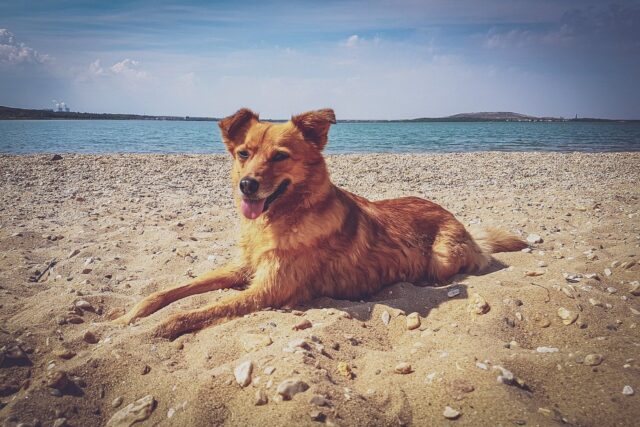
202	137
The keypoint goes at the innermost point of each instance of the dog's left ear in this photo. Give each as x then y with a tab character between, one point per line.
314	125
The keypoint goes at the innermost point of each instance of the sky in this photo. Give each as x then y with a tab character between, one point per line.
372	59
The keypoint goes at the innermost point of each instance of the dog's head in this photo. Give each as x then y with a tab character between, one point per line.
274	160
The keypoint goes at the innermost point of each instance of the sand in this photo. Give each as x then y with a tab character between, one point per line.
122	226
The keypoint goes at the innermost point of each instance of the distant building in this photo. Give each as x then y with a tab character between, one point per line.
62	107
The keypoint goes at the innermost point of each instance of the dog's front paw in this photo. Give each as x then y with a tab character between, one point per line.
175	326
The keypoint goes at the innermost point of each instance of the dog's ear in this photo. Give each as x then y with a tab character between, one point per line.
234	127
314	125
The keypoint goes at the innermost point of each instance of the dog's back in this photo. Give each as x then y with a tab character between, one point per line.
405	239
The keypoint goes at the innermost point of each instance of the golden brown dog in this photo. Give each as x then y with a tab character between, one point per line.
302	237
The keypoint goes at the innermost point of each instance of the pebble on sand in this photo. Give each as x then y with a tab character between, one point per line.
253	342
134	412
450	413
386	317
534	238
318	400
90	337
403	368
453	293
413	321
303	324
117	402
627	390
478	305
593	359
345	370
567	316
290	387
261	398
242	372
84	305
57	379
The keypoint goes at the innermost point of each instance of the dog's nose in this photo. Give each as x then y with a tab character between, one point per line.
249	186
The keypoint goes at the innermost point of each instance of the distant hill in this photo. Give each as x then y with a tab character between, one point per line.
10	113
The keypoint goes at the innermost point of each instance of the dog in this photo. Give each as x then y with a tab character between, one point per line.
302	237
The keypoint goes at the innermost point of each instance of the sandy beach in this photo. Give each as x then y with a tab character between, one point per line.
556	339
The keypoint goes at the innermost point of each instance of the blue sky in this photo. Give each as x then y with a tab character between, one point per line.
366	59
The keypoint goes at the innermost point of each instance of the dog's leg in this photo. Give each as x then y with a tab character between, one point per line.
221	278
267	290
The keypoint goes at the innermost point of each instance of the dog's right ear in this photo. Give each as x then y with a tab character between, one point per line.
234	127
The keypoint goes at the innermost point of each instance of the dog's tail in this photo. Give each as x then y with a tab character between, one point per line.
492	240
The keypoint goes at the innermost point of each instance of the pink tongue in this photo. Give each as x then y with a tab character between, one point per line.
252	208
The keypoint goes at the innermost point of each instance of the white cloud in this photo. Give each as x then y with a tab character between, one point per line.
95	68
352	41
13	52
129	68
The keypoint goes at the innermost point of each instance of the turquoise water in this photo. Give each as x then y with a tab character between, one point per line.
116	136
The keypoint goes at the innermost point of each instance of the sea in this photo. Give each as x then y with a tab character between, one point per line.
151	136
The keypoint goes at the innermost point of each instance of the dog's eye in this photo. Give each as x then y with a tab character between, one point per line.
280	155
243	154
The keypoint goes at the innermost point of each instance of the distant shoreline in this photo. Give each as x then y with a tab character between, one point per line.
10	113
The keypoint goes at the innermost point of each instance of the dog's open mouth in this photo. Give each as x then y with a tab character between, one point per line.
253	208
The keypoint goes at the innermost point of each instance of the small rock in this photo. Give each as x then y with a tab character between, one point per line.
318	400
454	292
242	372
403	368
593	359
73	253
134	412
547	350
86	270
60	422
478	305
635	289
253	342
303	324
627	390
56	157
65	354
450	413
567	316
260	398
612	290
74	320
413	321
534	238
595	302
568	292
386	317
607	272
90	337
84	305
145	370
317	415
290	387
269	370
533	273
57	379
345	370
117	402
